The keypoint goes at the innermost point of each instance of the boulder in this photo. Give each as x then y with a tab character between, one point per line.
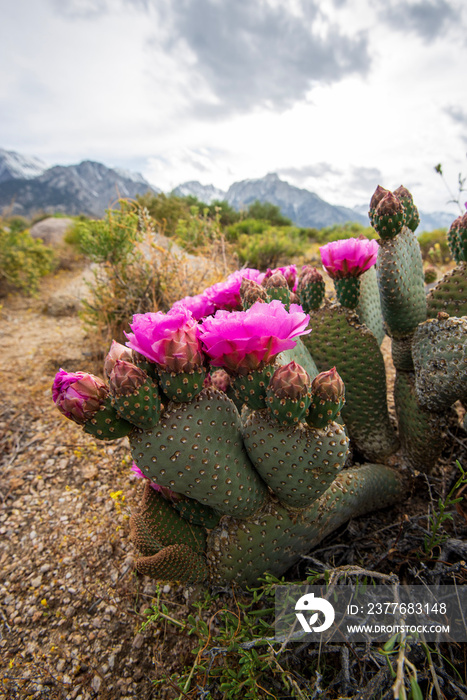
52	230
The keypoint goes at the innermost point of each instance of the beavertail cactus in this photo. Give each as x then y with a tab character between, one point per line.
243	408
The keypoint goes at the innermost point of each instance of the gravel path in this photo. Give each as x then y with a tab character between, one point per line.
70	605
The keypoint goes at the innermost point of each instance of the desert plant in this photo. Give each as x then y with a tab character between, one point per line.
273	246
23	259
252	401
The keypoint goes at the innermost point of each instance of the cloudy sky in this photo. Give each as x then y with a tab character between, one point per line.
336	96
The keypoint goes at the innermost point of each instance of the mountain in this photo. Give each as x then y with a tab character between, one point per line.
88	188
205	193
15	165
303	207
27	186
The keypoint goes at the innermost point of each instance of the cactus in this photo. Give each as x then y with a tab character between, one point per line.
255	405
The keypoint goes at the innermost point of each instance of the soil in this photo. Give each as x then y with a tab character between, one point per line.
71	606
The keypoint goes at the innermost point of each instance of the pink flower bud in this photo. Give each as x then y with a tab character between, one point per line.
126	378
290	381
117	352
78	395
328	386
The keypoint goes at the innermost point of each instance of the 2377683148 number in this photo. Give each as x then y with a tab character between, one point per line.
393	608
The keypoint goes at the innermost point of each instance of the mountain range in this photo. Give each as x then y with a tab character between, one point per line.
29	186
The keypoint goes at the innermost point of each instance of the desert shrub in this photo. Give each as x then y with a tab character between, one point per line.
350	229
267	212
23	259
166	210
434	246
197	230
136	271
246	227
273	246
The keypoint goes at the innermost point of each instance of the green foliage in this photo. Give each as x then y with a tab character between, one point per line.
435	537
222	209
133	273
434	246
23	259
270	247
267	212
236	655
247	227
197	230
166	210
110	240
351	229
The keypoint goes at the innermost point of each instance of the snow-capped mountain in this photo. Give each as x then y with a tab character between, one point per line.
205	193
303	207
87	188
17	166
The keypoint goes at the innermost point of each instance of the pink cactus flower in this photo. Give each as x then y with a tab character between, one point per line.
78	395
199	305
226	295
349	257
242	341
171	340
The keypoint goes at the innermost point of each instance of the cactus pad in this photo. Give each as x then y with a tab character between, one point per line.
401	282
339	339
297	462
450	293
440	359
197	450
174	563
420	432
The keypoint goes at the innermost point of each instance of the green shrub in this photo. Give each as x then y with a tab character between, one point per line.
246	227
267	212
166	210
23	259
134	273
350	229
197	230
273	246
434	246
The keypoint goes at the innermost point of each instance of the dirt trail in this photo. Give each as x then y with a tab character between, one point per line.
70	605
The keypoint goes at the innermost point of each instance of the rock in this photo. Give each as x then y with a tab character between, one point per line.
51	231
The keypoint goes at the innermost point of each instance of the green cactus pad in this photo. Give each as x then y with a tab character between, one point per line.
157	524
301	356
323	411
369	305
286	411
182	386
450	293
348	291
106	424
399	271
440	359
339	339
197	514
142	408
280	293
420	432
401	351
197	450
251	388
297	462
311	295
243	551
174	563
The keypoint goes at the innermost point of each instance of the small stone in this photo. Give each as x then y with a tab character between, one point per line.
138	641
96	683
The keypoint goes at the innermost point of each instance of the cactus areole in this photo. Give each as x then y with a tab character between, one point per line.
242	407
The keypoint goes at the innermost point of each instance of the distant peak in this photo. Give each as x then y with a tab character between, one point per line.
270	177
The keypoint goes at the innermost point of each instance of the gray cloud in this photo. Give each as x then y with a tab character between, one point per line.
82	9
254	55
365	179
427	18
317	170
457	114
